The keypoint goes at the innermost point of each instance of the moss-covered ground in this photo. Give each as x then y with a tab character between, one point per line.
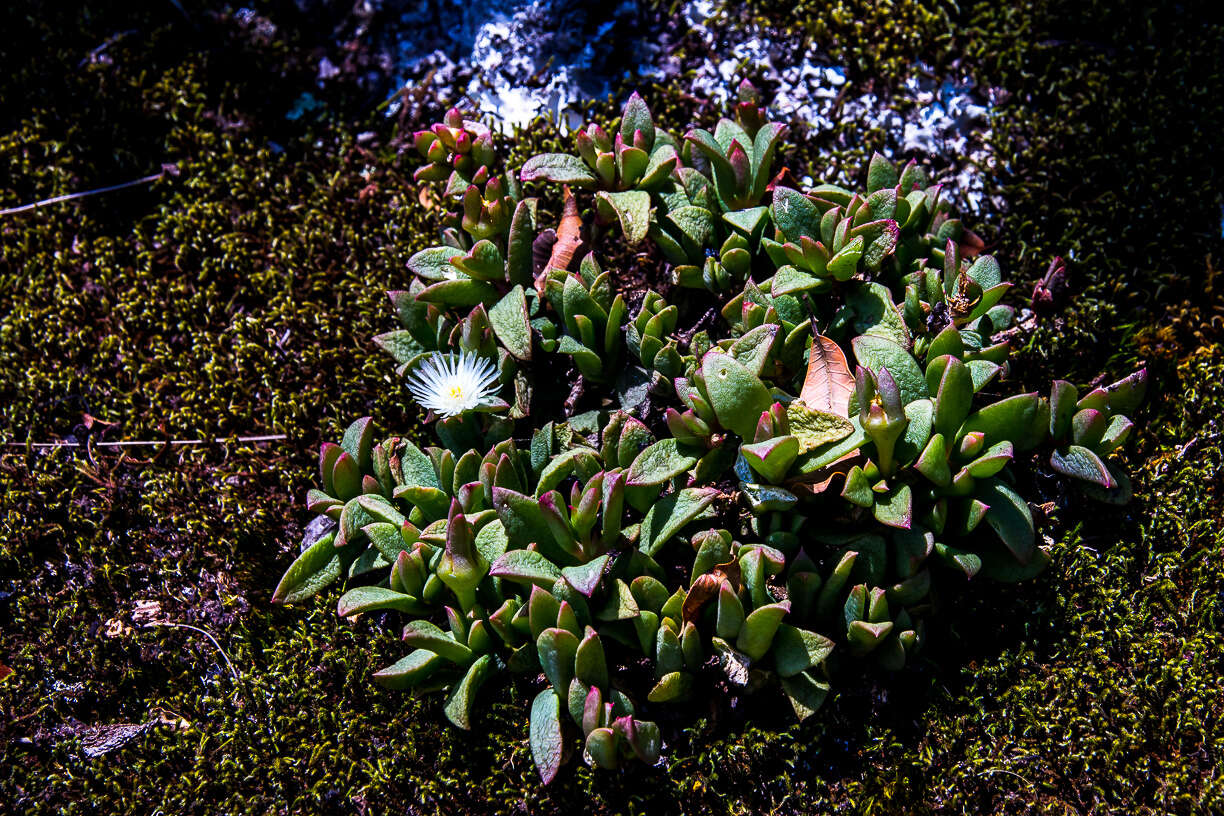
237	298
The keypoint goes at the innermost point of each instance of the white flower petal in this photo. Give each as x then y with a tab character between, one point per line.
449	385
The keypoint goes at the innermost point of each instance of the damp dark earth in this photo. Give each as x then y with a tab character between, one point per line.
749	343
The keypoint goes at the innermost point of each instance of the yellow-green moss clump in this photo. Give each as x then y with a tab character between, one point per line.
235	298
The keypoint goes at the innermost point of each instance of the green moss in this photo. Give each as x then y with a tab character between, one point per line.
239	297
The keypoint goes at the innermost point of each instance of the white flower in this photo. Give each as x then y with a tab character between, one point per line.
450	384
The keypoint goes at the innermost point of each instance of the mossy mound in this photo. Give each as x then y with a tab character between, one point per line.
237	298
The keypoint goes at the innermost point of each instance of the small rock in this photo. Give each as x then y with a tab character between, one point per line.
99	740
315	530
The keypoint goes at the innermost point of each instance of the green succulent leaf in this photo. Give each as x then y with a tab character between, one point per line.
757	634
620	605
434	264
519	259
586	577
737	395
844	262
636	117
400	344
752	350
632	207
461	292
547	742
985	272
492	541
1010	518
557	648
875	353
695	228
358	441
659	169
1023	419
374	598
526	567
669	515
947	342
968	562
895	507
773	457
601	748
561	168
508	317
346	477
458	708
790	280
749	223
794	214
953	397
417	469
424	635
881	173
660	462
1126	394
590	665
409	671
522	519
875	313
315	569
672	686
1081	463
797	650
806	694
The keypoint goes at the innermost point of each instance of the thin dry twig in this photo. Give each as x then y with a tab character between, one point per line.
139	443
203	632
71	196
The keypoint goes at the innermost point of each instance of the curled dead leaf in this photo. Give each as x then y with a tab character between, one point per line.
426	198
971	245
785	178
569	234
706	588
821	480
703	590
541	250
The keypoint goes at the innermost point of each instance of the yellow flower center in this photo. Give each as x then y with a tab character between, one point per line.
456	392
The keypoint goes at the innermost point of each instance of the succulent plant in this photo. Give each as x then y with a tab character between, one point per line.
625	168
739	162
589	321
737	505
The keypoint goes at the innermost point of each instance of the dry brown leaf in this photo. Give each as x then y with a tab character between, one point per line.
785	178
829	383
706	587
426	198
971	245
569	233
703	590
821	480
